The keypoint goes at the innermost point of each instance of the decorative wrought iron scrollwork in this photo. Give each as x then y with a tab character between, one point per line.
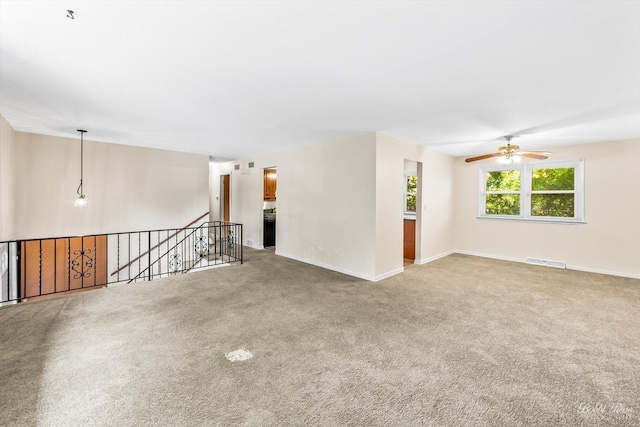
175	263
230	239
201	246
82	263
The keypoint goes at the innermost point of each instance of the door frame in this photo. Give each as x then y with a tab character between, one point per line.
225	195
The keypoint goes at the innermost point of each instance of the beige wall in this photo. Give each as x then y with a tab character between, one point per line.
609	242
215	198
326	199
434	216
345	197
127	188
7	180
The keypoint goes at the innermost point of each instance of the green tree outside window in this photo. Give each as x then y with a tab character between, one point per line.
547	192
503	193
552	192
411	193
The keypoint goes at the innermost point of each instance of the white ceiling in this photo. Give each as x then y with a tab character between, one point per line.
236	79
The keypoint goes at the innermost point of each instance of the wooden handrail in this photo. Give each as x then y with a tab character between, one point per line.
160	243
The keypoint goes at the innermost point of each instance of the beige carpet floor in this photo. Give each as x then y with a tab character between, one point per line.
460	341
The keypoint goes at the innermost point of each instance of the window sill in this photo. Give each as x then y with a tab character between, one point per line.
541	220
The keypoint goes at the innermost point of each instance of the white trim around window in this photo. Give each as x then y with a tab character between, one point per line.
525	192
407	174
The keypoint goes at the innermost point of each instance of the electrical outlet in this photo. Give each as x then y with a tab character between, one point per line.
319	248
250	243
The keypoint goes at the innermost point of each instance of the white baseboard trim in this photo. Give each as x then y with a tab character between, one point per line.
601	271
483	255
389	274
209	267
2	304
327	266
433	258
568	266
442	255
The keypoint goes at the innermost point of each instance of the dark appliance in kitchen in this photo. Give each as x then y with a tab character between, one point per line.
269	238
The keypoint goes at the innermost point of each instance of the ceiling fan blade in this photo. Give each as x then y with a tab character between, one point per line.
484	156
533	155
541	153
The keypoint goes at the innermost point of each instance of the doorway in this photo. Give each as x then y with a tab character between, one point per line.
269	210
225	192
412	187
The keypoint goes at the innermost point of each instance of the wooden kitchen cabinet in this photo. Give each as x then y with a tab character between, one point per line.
269	185
409	239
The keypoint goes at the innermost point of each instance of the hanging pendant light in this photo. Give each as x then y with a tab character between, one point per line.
81	201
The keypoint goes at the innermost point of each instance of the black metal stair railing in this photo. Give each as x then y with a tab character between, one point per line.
35	268
210	244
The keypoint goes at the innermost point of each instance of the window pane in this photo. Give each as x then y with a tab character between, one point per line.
412	183
503	180
412	186
411	203
502	204
558	205
552	179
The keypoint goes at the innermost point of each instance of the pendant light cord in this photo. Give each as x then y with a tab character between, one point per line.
80	190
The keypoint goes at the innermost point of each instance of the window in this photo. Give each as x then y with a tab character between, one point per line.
503	192
410	193
543	191
553	192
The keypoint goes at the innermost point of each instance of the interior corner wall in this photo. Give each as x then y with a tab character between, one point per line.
325	203
216	169
437	205
7	180
127	188
434	221
609	242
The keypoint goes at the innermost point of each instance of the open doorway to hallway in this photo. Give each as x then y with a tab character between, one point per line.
269	210
225	194
412	209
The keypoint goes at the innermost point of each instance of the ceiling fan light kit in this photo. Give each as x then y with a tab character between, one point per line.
508	154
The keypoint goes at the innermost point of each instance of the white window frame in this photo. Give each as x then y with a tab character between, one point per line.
526	170
404	208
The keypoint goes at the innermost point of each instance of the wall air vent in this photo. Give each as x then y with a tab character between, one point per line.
236	167
546	263
250	164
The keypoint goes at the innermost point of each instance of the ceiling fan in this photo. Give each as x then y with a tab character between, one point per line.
511	153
